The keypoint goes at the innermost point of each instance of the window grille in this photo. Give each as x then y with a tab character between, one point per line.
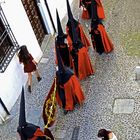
8	43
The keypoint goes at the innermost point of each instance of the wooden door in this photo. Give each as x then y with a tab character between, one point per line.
35	19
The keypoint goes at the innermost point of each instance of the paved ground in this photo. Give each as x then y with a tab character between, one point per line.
112	94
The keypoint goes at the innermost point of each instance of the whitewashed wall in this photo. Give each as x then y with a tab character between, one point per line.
61	7
13	78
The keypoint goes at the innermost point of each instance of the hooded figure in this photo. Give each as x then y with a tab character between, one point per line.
28	131
62	46
69	91
79	29
97	8
100	40
81	62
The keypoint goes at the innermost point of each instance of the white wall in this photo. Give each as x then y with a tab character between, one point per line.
21	26
11	82
46	16
13	78
62	10
61	7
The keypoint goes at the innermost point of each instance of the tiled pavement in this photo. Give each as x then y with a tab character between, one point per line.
112	94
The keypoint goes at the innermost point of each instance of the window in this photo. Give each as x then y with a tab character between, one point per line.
8	43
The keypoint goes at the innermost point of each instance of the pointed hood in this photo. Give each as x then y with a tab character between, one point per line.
61	68
64	73
70	16
22	116
72	24
25	129
59	27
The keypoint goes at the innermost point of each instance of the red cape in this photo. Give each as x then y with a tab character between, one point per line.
73	93
100	9
83	36
84	64
39	133
108	46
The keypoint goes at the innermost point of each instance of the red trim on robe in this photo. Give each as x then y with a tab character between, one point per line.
69	38
100	9
108	46
83	37
37	133
84	64
73	93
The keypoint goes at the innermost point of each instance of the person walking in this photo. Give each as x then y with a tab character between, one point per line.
69	91
81	61
30	65
79	29
106	135
28	131
100	40
97	7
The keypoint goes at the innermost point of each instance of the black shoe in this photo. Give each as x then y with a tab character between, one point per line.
39	79
100	53
29	89
65	112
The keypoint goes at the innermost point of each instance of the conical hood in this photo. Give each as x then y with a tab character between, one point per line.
94	10
22	116
70	16
59	27
73	23
61	68
64	73
74	33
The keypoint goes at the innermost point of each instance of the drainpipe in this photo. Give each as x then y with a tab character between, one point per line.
43	16
5	109
50	15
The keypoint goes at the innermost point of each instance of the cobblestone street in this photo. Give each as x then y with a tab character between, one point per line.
112	94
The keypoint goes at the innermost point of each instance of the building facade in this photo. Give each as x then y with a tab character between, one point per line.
29	21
